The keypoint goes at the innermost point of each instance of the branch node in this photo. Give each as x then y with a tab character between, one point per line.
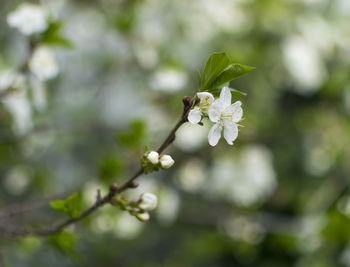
187	101
133	185
113	188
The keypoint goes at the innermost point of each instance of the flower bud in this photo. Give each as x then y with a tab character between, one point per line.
143	216
153	157
148	201
166	161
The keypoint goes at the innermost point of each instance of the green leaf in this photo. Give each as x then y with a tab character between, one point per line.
234	92
59	41
215	65
220	70
230	73
111	167
71	205
53	36
66	243
133	137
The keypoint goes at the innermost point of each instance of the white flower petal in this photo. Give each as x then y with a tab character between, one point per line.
214	111
195	115
148	201
230	132
206	97
214	134
225	97
234	111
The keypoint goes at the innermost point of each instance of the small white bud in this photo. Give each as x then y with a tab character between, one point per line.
153	157
148	201
143	216
166	161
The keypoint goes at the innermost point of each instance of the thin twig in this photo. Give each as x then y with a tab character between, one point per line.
113	190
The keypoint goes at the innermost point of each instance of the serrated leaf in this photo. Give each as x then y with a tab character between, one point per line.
234	92
71	205
214	66
230	73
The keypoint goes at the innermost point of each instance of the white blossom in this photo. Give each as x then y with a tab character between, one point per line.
169	205
195	115
28	19
168	80
123	226
12	79
190	137
166	161
225	115
305	64
19	107
143	216
43	64
153	157
17	180
148	201
246	179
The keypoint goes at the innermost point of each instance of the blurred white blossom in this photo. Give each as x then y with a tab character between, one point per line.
246	179
16	180
146	55
304	64
43	64
12	79
343	6
191	137
243	229
191	175
168	80
127	226
169	204
19	107
28	19
309	235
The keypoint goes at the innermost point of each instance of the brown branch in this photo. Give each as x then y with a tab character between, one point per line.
113	190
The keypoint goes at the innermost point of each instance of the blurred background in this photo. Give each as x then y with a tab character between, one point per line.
278	197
